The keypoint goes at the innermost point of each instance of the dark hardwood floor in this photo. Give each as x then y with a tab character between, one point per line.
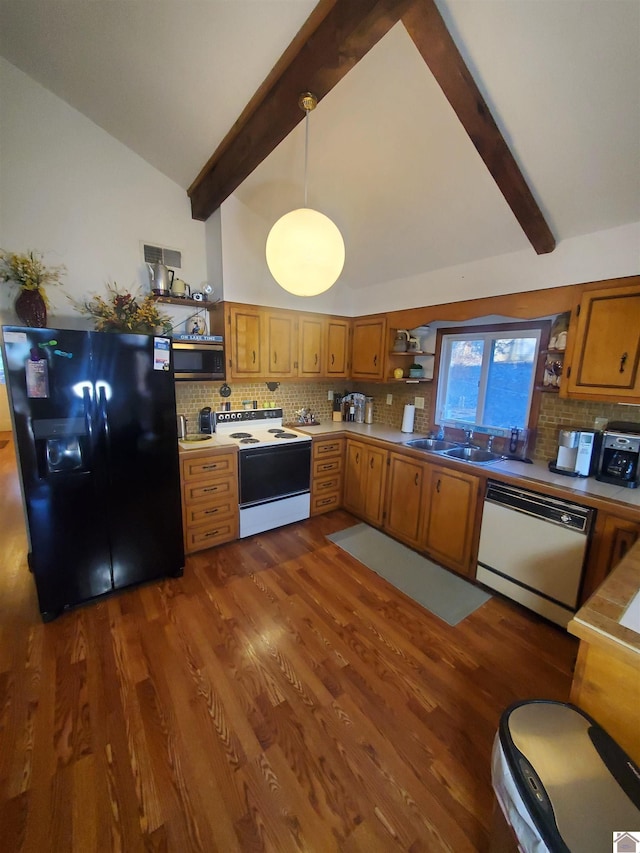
278	697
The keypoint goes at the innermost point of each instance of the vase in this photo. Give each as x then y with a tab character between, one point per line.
31	309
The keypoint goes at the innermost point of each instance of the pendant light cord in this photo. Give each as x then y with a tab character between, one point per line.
306	152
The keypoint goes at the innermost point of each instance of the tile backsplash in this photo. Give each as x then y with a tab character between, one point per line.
555	412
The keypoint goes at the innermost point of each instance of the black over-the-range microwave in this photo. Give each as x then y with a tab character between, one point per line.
198	360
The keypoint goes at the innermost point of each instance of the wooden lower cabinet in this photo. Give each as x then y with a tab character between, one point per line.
449	520
611	539
364	480
327	463
405	499
209	498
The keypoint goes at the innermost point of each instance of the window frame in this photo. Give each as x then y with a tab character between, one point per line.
544	327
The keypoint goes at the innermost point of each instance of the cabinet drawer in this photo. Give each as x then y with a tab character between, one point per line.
207	490
210	512
324	502
327	484
327	448
194	469
321	467
199	538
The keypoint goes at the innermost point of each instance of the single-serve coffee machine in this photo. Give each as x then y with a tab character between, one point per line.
620	455
578	452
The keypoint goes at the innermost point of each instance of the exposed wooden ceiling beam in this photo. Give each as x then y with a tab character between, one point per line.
332	41
430	35
335	37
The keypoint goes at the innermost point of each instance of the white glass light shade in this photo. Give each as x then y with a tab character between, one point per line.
305	252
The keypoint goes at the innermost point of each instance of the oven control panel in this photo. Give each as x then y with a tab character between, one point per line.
257	416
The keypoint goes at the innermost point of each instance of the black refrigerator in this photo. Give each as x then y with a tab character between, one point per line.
94	419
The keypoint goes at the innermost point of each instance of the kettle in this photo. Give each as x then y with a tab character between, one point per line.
401	340
161	279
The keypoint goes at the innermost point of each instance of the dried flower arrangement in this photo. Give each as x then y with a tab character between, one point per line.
123	311
31	275
28	271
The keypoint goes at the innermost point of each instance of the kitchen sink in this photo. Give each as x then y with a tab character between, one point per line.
437	445
473	454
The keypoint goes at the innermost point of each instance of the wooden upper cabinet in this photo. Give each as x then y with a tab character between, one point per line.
311	346
280	343
243	341
368	347
605	350
337	348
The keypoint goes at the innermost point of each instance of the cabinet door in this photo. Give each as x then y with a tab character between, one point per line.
375	480
606	349
611	539
354	479
310	346
367	350
337	348
280	343
450	516
404	501
244	342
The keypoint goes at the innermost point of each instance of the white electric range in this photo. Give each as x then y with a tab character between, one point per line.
274	468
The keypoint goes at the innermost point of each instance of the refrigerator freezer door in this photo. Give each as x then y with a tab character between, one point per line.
137	431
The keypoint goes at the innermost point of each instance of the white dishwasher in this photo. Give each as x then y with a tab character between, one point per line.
532	549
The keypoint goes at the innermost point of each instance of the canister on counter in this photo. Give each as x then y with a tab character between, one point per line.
368	410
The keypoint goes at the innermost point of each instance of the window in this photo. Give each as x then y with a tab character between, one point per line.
486	376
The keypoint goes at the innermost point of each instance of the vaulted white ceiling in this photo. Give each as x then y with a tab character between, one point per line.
388	159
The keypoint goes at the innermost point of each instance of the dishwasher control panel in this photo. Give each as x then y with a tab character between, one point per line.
550	509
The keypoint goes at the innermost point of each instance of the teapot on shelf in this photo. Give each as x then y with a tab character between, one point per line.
161	278
401	341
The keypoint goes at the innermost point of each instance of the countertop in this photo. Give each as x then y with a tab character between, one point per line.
598	620
580	489
211	443
577	488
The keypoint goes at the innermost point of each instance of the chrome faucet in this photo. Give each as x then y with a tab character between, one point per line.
468	434
490	444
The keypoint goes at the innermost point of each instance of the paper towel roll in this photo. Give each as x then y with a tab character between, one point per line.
407	418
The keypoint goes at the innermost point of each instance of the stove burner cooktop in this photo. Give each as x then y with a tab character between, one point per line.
256	427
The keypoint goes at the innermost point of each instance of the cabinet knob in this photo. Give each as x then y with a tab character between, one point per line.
623	359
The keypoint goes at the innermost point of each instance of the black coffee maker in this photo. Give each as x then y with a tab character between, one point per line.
620	455
206	420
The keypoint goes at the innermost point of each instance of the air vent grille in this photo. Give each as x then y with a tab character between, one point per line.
159	255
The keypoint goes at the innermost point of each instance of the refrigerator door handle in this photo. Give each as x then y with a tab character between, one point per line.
104	415
86	397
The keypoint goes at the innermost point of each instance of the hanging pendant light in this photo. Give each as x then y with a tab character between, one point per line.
305	249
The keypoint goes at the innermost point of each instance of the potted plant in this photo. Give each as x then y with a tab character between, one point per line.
415	370
123	311
30	274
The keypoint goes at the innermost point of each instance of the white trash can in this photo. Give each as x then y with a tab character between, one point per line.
562	783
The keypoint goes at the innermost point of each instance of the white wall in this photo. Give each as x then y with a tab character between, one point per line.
593	257
80	197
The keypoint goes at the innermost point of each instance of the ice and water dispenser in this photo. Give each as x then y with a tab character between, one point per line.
60	445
